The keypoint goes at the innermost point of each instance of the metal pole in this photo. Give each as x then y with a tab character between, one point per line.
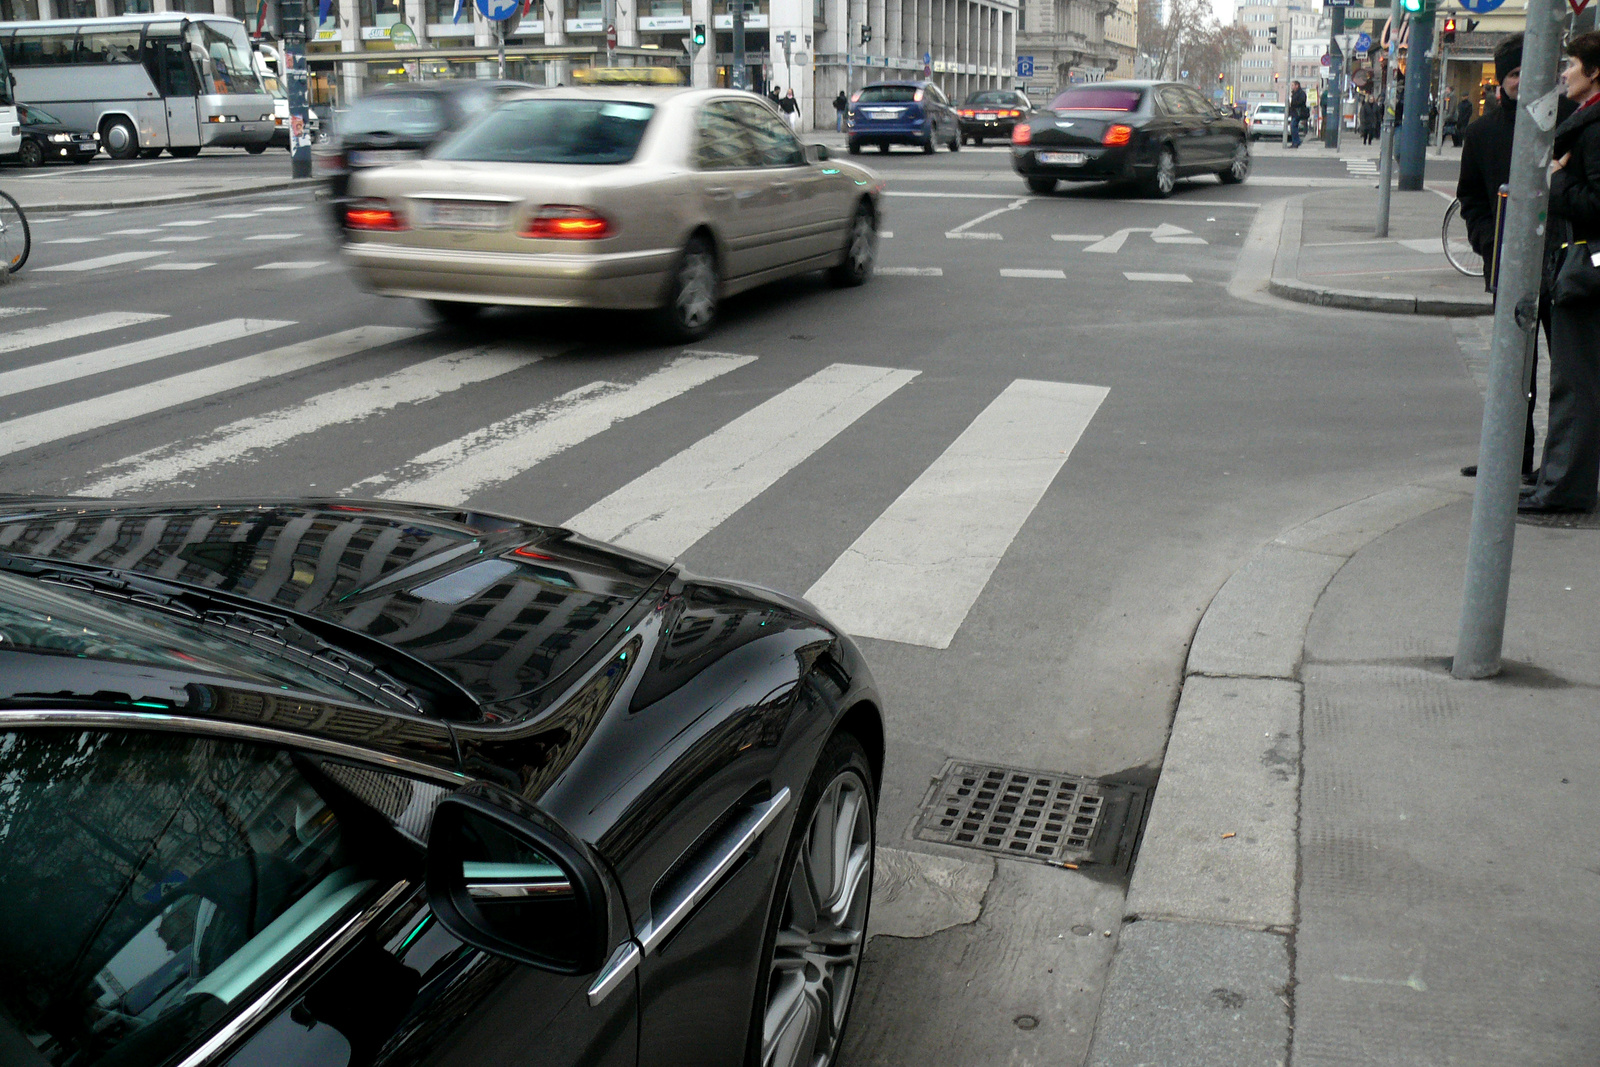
292	29
1386	139
1333	114
1516	319
500	38
1414	124
1444	67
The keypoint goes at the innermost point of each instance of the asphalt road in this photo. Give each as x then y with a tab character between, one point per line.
1026	455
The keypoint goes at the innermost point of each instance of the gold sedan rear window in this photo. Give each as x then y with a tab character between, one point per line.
553	131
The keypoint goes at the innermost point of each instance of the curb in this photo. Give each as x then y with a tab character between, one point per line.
176	198
1285	282
1216	876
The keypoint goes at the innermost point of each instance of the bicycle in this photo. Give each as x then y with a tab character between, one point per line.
16	240
1457	248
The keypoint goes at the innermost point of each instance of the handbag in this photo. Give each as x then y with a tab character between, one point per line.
1578	279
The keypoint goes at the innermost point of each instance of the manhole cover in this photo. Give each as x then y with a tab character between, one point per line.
1568	520
1033	815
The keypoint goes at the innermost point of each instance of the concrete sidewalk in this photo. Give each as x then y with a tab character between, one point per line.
1328	256
108	184
1353	858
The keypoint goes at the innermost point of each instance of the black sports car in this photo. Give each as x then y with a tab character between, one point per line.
1151	133
335	784
991	113
46	139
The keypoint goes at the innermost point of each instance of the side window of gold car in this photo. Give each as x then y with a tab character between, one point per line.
722	141
776	145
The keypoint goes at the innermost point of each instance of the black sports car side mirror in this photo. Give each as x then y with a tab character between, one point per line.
503	878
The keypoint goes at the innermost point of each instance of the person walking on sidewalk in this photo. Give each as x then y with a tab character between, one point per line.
1298	112
1371	118
791	109
841	104
1463	120
1569	477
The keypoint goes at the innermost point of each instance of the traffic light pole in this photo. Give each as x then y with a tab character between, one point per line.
1414	125
292	29
1391	87
1494	504
1333	115
740	74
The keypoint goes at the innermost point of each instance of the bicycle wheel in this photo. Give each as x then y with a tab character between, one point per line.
15	240
1457	249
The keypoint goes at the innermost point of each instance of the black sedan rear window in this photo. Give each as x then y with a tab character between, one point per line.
1003	99
887	94
553	131
1096	99
395	114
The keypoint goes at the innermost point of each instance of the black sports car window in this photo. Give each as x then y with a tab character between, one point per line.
722	140
1198	105
152	884
995	98
1174	101
775	144
888	94
1089	98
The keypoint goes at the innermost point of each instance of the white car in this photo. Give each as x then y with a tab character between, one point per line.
1267	120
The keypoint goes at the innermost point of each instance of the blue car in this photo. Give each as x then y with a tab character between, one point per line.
902	112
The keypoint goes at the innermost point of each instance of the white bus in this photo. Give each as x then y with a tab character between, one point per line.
144	82
10	122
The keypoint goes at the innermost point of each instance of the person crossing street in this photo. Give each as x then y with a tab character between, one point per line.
1298	112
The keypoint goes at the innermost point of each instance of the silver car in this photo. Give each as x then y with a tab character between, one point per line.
626	197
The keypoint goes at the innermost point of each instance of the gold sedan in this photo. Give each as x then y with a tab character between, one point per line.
612	197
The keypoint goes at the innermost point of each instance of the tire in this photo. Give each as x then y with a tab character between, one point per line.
185	151
16	239
1042	186
691	307
1238	169
883	149
1160	182
119	139
860	250
855	147
257	149
149	153
928	145
805	986
1457	247
455	312
83	159
955	144
978	141
30	154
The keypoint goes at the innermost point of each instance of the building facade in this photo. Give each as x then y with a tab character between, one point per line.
1265	71
1069	42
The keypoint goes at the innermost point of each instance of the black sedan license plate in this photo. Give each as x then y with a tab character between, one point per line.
1065	159
466	216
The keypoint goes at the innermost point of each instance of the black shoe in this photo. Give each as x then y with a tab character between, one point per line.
1528	477
1469	471
1529	506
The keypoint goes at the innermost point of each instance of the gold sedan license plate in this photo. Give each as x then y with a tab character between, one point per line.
1065	159
450	215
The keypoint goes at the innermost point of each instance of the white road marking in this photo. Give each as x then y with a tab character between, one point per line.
179	266
65	370
130	233
272	236
293	264
1023	272
180	239
1434	245
15	311
1155	276
885	233
913	575
284	207
1077	237
964	230
89	214
976	236
46	426
955	196
237	215
458	469
67	330
1114	243
243	441
667	509
911	272
189	222
74	240
114	260
1168	234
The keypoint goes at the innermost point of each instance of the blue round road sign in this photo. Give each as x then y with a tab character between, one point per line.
1478	7
498	10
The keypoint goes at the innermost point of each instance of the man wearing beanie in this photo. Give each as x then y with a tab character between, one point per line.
1485	167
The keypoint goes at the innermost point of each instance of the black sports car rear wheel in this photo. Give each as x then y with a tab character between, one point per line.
978	141
819	925
1041	185
1160	182
30	154
1238	168
927	145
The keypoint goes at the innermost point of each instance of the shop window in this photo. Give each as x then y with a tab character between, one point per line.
132	7
18	10
380	13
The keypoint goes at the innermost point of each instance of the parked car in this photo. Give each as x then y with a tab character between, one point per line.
398	122
1147	133
901	112
610	196
46	139
991	113
1267	120
317	783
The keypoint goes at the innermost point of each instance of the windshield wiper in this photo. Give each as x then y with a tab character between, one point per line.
264	630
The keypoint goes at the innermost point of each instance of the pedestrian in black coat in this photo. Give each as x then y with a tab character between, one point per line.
1298	113
1569	477
1371	119
1463	120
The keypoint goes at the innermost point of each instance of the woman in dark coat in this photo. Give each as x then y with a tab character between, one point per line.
1371	119
1570	473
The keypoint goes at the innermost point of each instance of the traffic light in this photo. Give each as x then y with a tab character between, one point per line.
1416	7
866	34
1449	33
1274	36
1277	76
1219	77
699	34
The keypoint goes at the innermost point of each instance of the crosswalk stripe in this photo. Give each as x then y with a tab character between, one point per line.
44	427
69	328
241	440
293	264
669	508
911	272
1155	276
453	472
1029	272
178	266
74	240
17	311
913	575
113	260
65	370
272	237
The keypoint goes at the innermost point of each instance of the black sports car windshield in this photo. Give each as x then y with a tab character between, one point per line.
583	131
1098	99
888	94
394	114
57	620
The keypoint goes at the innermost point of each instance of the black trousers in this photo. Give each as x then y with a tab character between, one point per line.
1570	473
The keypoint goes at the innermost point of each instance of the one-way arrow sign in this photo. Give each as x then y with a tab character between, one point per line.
1164	234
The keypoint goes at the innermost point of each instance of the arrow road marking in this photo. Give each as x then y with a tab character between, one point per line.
1168	234
963	229
1164	234
1115	242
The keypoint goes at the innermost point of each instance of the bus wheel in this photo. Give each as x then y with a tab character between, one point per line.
185	151
119	139
149	153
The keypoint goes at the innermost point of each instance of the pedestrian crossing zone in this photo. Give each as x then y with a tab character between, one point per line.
911	575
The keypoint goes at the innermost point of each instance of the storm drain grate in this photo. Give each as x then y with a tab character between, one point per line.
1033	815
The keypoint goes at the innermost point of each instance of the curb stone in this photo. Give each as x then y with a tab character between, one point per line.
176	198
1198	899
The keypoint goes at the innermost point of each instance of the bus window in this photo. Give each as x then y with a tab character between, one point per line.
113	46
223	53
167	62
37	47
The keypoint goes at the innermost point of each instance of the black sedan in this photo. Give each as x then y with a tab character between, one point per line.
46	139
991	113
338	784
1148	133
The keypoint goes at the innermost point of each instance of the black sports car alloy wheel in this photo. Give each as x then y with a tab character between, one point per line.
1161	181
820	930
1238	168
